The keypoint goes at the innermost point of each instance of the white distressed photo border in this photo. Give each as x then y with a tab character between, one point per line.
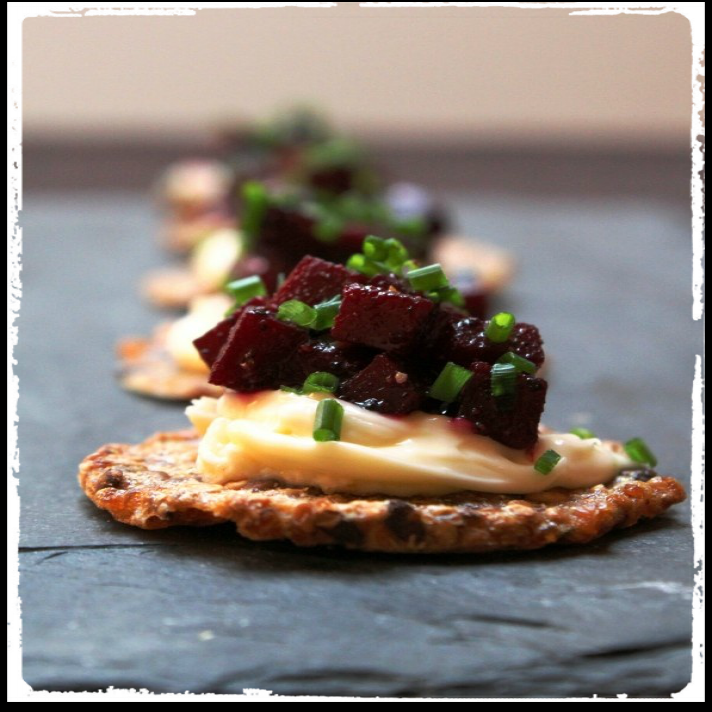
18	690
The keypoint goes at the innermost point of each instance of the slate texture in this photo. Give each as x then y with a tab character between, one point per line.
609	284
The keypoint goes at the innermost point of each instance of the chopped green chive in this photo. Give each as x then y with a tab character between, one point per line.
255	204
297	312
361	263
449	383
447	294
500	327
519	362
326	313
638	451
428	279
242	290
583	433
289	389
547	462
397	253
320	382
327	422
503	380
375	248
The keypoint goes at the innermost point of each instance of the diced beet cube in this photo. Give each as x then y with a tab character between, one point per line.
256	347
314	280
326	355
526	341
463	341
514	423
470	343
379	318
383	386
209	344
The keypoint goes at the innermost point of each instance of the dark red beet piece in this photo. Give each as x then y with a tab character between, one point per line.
516	425
526	341
256	347
463	341
383	386
326	355
314	280
379	318
210	343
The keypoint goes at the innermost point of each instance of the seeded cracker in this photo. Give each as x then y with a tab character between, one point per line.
155	485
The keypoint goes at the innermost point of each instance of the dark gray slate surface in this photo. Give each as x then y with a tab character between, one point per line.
608	282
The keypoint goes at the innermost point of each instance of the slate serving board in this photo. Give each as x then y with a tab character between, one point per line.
608	283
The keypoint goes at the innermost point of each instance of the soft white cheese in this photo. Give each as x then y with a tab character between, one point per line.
214	256
205	313
269	434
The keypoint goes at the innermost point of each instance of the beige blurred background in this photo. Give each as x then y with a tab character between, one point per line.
475	76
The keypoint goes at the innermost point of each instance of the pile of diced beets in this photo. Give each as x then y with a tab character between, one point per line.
387	346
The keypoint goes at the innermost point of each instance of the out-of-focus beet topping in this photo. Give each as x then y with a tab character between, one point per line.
385	331
331	225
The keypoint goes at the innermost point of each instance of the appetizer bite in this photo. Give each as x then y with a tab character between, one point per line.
363	407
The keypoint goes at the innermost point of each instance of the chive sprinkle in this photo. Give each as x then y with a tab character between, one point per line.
448	294
500	327
547	462
242	290
503	380
638	451
519	362
326	313
449	383
297	312
583	433
397	253
327	422
428	279
320	382
256	202
375	248
362	264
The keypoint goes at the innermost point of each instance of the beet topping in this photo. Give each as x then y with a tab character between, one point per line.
386	332
285	225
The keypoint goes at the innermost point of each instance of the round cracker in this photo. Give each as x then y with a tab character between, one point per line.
155	484
147	368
